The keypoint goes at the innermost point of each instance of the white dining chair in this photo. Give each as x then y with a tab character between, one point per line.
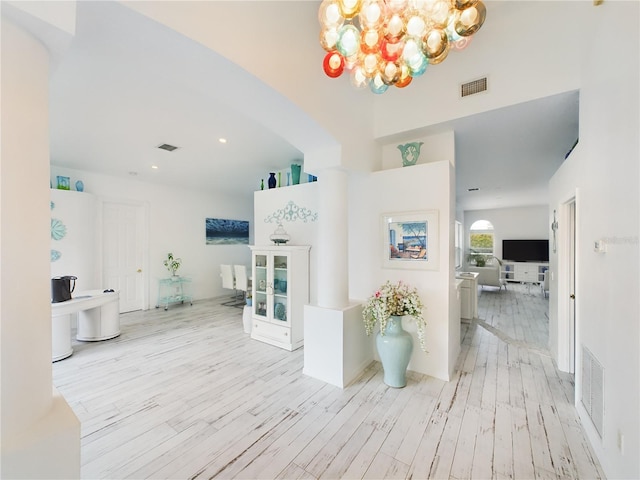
229	282
242	279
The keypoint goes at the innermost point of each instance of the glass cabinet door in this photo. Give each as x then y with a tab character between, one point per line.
280	286
260	285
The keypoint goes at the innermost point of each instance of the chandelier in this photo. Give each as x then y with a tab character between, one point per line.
390	42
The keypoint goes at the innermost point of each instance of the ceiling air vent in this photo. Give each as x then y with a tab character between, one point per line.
473	87
167	147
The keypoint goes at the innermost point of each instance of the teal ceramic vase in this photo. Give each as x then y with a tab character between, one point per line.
410	153
295	173
394	348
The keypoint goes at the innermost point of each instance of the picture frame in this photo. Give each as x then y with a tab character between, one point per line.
63	182
220	231
410	240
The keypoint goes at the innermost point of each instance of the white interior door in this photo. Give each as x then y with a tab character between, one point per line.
122	252
572	286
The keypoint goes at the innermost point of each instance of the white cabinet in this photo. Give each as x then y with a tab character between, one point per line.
280	289
468	295
527	272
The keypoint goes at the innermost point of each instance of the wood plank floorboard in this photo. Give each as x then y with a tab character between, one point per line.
186	394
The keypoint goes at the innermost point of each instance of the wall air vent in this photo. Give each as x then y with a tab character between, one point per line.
167	147
593	389
473	87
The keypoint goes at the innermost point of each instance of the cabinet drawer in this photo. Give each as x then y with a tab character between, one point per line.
269	330
526	273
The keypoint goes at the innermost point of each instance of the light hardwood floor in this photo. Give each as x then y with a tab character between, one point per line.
186	394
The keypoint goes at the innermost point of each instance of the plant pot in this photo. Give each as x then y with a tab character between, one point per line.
394	349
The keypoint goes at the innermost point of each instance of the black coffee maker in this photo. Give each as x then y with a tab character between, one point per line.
61	288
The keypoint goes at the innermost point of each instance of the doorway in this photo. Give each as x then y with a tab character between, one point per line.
123	259
571	253
567	286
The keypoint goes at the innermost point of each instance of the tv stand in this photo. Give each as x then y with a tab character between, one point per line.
524	272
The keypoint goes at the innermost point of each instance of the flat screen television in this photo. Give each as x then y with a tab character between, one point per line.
525	250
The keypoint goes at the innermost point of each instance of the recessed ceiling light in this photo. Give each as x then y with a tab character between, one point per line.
155	167
222	140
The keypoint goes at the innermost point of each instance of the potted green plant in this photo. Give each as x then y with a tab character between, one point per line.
477	259
172	263
386	307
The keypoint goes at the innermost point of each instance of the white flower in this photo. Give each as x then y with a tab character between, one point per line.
394	299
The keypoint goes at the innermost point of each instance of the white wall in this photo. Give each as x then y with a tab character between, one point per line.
176	224
77	212
518	68
603	171
518	223
296	207
420	187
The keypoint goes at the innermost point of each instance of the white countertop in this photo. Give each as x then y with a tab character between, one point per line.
84	301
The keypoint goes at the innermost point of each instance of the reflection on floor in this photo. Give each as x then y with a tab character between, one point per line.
518	314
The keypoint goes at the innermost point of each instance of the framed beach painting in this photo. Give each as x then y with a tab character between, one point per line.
220	231
410	240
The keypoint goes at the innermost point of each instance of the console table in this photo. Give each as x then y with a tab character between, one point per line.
524	272
98	319
172	290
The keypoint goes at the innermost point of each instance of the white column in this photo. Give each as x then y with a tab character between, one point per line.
333	269
40	434
24	278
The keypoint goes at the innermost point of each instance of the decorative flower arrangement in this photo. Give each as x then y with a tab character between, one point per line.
394	299
172	264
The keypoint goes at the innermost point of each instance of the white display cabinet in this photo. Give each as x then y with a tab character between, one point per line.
280	289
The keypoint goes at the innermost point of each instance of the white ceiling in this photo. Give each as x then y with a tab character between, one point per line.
127	85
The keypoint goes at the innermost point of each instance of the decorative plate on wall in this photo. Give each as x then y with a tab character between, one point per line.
58	229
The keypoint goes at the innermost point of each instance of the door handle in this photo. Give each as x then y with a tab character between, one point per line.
572	296
139	270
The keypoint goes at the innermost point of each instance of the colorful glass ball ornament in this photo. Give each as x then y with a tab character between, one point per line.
384	43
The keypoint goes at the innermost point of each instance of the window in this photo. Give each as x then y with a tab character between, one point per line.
480	242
